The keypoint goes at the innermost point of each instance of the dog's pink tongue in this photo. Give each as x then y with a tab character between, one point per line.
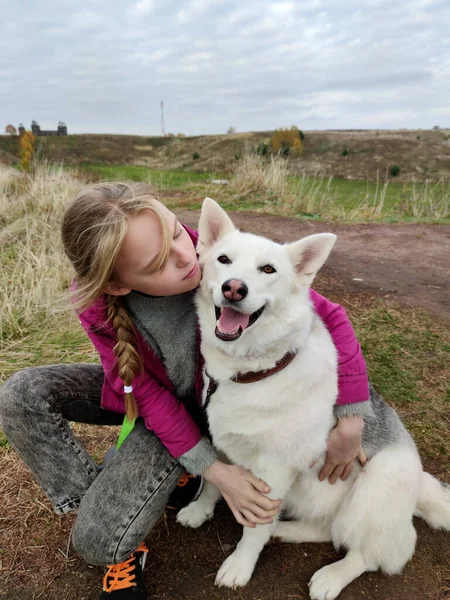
230	320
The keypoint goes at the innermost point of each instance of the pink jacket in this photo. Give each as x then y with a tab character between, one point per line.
164	414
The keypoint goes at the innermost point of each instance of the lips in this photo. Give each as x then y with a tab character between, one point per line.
231	323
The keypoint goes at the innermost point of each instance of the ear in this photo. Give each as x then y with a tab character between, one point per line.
115	289
214	223
310	253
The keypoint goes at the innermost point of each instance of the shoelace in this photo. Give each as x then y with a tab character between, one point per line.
121	576
185	479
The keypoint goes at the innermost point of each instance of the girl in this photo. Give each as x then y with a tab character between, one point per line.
136	274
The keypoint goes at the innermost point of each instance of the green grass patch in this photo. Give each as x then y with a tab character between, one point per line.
408	359
350	200
4	441
161	179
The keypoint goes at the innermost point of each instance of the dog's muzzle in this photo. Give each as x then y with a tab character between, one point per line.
231	322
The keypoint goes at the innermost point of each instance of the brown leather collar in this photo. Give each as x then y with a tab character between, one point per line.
251	376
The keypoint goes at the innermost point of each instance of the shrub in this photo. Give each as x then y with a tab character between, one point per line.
26	149
263	149
286	141
394	170
345	152
196	156
299	132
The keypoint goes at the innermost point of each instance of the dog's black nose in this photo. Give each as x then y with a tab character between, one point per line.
234	290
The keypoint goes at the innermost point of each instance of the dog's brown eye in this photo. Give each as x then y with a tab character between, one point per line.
268	269
223	258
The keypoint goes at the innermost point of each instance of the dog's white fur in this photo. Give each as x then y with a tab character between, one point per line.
278	426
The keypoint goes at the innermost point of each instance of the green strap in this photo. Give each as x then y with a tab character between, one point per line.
127	428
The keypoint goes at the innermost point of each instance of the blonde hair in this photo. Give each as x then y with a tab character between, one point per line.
93	230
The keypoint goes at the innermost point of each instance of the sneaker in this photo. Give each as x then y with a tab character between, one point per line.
188	490
125	581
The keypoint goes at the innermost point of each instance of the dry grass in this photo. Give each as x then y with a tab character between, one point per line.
268	185
34	269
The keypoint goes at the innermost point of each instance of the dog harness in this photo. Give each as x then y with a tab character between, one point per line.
250	376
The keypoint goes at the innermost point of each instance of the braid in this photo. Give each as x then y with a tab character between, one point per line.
129	362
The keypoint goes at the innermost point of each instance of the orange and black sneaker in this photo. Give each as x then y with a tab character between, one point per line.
125	581
188	490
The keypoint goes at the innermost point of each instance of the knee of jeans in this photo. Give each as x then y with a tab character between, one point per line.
11	392
15	393
90	543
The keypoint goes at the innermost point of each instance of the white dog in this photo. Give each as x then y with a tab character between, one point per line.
273	369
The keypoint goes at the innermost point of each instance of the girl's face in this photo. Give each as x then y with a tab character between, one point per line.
134	267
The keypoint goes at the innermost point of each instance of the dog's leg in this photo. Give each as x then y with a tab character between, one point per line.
238	567
302	531
196	513
376	517
374	521
328	582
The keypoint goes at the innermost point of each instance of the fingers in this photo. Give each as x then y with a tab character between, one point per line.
326	471
266	503
346	472
242	520
263	514
339	469
252	518
259	484
362	457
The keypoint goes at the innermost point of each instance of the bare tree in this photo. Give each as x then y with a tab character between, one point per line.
11	130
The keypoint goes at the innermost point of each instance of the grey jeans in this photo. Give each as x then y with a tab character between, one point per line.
119	504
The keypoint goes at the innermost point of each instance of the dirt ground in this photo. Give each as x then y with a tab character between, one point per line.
408	262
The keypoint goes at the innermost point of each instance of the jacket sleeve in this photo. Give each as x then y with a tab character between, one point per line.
162	412
353	381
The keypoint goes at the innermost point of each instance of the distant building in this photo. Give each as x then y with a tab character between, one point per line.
37	131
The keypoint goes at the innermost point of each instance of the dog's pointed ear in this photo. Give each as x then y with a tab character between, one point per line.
310	253
213	224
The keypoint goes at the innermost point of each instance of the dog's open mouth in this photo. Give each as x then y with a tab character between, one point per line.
231	323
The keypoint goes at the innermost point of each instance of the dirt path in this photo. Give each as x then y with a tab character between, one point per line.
408	262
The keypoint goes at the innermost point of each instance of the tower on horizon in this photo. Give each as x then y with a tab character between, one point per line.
162	118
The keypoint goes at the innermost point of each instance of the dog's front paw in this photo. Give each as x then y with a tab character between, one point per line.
326	584
235	571
193	515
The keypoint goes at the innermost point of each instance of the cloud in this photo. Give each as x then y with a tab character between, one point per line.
105	66
142	8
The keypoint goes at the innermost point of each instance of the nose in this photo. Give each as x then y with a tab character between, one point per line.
234	290
183	258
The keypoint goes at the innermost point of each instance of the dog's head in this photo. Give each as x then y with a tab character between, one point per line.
250	278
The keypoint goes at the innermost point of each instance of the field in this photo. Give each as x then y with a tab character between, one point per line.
392	278
361	155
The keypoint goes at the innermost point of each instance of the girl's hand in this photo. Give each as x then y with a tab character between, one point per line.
244	493
343	446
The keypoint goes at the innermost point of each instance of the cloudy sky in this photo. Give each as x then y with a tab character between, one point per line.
105	65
